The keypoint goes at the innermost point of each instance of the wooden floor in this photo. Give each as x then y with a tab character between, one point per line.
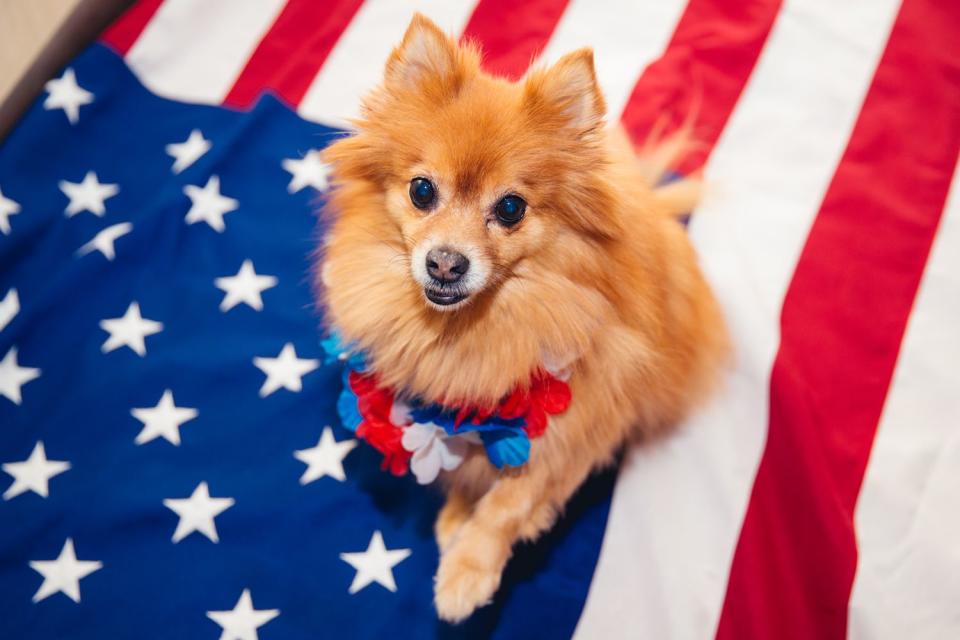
25	27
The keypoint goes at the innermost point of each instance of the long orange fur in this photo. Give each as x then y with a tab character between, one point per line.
598	276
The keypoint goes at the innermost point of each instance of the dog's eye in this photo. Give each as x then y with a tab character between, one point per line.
422	193
510	210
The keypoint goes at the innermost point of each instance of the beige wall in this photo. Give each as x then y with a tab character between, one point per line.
25	27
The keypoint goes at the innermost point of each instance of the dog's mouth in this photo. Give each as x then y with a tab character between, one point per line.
444	296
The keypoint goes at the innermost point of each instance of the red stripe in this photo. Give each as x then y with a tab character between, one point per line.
842	322
513	33
293	51
127	28
701	73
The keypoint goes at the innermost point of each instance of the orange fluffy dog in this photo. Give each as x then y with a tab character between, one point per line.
483	229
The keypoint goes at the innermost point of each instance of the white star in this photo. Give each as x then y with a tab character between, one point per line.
187	152
208	204
197	513
162	420
286	370
64	93
375	564
7	208
243	621
103	241
129	331
87	195
9	308
33	474
63	574
245	287
13	376
309	171
325	459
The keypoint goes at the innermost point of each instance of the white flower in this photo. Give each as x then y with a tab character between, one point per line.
400	414
433	449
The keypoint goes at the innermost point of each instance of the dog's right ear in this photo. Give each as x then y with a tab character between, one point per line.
568	91
426	54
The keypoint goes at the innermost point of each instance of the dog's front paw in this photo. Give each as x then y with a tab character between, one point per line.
463	584
447	526
455	512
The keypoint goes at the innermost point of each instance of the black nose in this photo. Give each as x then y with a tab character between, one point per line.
446	265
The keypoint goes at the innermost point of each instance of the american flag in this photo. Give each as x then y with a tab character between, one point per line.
173	466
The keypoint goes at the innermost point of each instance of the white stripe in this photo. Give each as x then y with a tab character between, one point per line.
355	65
194	50
908	514
678	506
625	36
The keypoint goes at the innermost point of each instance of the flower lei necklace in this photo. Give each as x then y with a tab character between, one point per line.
426	438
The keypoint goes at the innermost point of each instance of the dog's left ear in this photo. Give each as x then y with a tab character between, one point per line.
426	55
569	92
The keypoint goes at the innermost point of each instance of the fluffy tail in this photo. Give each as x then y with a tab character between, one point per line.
657	161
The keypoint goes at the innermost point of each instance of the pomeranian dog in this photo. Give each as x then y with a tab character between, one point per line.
482	230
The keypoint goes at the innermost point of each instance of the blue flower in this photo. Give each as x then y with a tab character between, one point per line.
432	413
506	441
347	408
338	351
506	447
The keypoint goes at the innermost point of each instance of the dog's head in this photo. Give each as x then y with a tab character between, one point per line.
473	175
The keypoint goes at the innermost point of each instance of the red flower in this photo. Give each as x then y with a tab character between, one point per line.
375	403
475	414
551	393
386	438
546	395
362	383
